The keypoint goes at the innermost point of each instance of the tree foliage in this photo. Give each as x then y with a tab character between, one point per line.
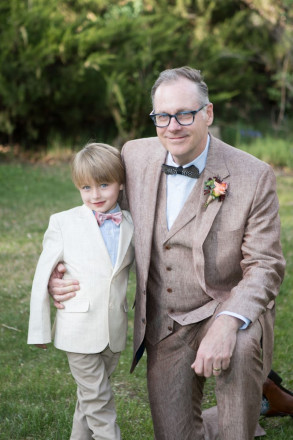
87	66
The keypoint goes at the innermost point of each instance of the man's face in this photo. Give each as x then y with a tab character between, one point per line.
185	143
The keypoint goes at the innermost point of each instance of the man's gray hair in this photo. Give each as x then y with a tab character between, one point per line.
183	72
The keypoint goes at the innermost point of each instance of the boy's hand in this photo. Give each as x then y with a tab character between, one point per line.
61	290
43	346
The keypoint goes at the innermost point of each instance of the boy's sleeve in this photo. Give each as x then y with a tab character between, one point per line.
39	322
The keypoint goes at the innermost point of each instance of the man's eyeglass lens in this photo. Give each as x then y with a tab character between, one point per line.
183	118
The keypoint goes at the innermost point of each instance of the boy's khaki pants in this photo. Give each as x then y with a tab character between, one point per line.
95	414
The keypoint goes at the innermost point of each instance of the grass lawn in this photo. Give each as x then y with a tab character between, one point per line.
37	392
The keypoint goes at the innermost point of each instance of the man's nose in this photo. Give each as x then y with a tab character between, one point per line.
174	125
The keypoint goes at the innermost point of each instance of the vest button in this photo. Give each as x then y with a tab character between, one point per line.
170	328
168	268
169	290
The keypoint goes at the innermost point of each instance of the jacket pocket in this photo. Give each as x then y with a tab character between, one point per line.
76	306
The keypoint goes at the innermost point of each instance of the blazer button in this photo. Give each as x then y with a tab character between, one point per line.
170	328
143	320
167	247
168	268
169	290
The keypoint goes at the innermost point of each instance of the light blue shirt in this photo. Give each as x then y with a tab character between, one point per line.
111	233
178	190
179	187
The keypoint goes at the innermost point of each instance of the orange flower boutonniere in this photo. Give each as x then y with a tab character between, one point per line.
216	189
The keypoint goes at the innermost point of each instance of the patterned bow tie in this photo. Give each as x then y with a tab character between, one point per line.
116	217
191	171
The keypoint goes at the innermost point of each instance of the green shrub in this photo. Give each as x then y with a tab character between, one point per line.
277	152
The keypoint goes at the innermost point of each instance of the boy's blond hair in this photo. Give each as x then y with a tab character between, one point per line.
97	162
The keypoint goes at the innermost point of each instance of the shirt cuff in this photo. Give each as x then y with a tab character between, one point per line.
246	321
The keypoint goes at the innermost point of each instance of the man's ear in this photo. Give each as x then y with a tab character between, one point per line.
210	114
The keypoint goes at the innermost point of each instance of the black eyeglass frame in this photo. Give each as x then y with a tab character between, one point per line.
192	112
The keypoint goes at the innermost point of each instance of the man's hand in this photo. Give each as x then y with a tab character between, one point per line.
61	290
216	348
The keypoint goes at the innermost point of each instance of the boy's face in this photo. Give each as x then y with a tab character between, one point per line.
100	197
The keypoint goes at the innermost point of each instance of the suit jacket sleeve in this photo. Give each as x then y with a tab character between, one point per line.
40	322
123	202
262	262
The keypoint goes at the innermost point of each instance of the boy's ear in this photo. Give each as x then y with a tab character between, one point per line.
121	186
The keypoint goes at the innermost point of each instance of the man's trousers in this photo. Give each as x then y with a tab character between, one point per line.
175	391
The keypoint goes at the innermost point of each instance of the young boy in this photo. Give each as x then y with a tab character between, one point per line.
94	241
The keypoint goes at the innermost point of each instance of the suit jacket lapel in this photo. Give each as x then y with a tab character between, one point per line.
215	167
194	206
188	211
94	231
205	217
126	233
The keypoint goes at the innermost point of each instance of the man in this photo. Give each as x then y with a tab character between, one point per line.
207	274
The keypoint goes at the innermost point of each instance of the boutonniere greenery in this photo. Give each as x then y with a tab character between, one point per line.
216	189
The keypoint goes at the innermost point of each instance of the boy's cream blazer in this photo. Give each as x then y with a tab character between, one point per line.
97	316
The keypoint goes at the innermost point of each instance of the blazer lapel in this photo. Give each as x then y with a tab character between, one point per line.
94	231
194	206
215	167
126	233
188	211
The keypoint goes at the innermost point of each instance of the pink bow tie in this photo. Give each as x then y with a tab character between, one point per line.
116	217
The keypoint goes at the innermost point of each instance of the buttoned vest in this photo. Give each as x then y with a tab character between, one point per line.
172	282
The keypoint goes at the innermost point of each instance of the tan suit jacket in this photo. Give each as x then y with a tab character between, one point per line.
97	316
236	243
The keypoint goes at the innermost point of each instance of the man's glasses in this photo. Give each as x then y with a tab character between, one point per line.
183	118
